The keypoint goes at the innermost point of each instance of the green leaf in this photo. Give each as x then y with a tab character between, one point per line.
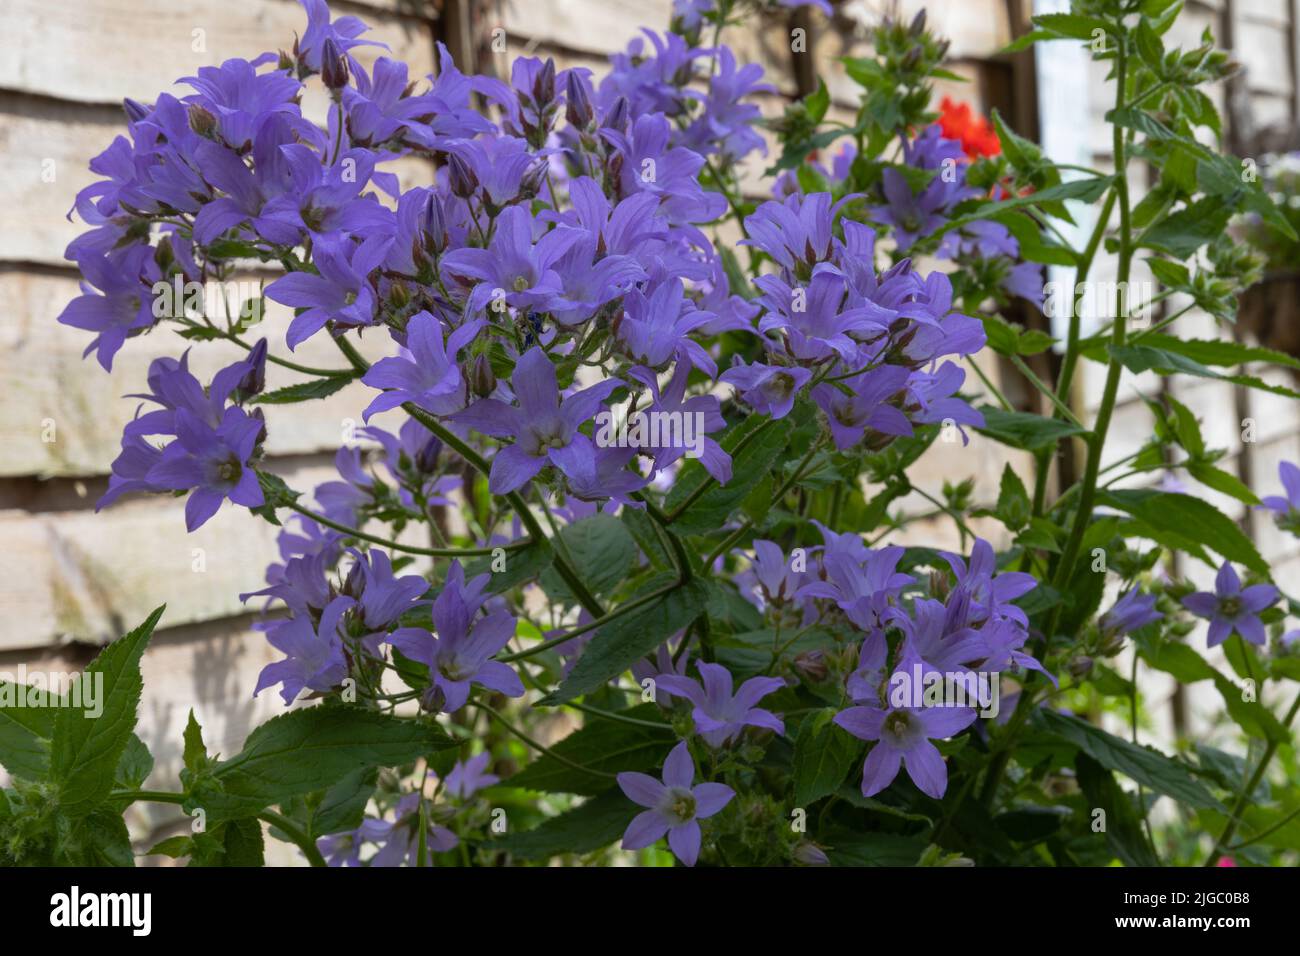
1222	481
749	466
1187	230
853	848
244	843
619	644
195	754
1024	430
521	566
1188	517
1084	190
824	753
305	391
1124	833
1213	352
602	551
85	751
606	746
596	823
1189	667
1072	25
312	749
26	728
1143	358
135	766
1144	765
343	806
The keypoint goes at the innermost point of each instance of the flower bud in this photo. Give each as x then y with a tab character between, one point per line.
254	379
354	585
201	121
333	65
544	83
811	665
433	699
482	380
810	854
617	117
434	227
918	24
426	459
134	109
578	108
460	177
285	61
530	184
1080	667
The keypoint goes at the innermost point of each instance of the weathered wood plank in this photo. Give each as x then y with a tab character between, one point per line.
91	576
99	51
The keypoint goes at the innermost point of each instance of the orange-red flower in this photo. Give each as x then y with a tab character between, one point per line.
956	121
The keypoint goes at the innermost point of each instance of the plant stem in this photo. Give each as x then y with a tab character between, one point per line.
407	548
539	747
1234	817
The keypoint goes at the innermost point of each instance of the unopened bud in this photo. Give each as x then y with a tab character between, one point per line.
460	177
433	700
616	118
482	380
434	227
1080	667
254	379
201	121
810	854
544	84
918	24
426	459
530	184
134	109
333	65
578	108
812	666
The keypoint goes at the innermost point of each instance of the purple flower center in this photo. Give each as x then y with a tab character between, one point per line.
1229	607
901	728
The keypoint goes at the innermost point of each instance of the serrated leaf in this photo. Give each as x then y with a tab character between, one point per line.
602	552
313	749
1144	765
305	391
1188	517
1025	430
85	751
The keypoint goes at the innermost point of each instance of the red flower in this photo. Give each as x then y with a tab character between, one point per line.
973	131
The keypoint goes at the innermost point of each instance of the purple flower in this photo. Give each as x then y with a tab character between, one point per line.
341	292
768	389
864	406
990	594
116	301
400	839
655	328
704	410
342	30
1232	608
512	270
427	373
675	806
903	739
460	654
382	597
212	462
468	777
1286	509
720	715
313	654
544	428
1131	612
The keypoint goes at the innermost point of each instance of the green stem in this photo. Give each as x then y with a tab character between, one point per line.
1240	804
407	548
539	747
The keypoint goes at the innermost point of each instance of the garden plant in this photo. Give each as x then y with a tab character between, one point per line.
626	572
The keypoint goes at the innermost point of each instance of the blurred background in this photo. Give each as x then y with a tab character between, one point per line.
70	579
